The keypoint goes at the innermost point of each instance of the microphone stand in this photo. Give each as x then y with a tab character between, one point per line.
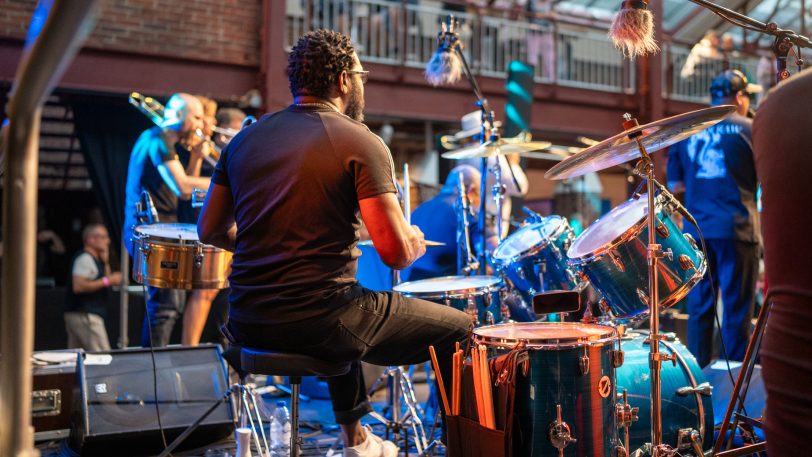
784	39
489	132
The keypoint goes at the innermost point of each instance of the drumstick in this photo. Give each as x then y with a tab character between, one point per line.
439	379
487	395
407	197
455	385
477	387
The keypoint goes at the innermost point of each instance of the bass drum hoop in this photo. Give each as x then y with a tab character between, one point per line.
536	248
631	233
543	344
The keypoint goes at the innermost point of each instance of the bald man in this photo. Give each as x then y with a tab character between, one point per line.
155	168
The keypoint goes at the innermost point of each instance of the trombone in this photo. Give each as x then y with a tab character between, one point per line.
155	110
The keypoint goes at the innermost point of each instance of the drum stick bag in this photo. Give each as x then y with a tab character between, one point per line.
466	437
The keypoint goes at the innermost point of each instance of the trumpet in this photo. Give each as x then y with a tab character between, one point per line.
156	111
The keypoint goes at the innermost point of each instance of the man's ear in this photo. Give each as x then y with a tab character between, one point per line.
344	83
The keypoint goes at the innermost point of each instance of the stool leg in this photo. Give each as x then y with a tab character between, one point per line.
294	419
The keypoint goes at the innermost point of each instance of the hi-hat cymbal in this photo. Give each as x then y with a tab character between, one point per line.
655	136
429	244
502	146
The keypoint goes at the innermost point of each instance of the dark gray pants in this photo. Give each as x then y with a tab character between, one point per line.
382	328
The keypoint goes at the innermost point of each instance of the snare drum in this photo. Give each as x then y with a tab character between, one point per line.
479	296
570	367
613	252
534	258
171	256
686	402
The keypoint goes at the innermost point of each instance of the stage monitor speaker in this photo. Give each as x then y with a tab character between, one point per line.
116	412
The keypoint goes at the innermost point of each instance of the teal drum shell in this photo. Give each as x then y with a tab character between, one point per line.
479	296
613	254
536	248
693	411
555	377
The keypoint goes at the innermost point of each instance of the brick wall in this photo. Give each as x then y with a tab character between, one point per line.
213	30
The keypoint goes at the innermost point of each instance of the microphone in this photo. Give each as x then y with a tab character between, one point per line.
145	211
632	29
445	66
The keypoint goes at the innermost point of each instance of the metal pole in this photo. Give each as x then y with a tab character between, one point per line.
124	298
42	66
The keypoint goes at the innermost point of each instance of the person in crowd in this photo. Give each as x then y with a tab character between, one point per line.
781	141
438	220
285	198
89	292
227	118
155	168
716	170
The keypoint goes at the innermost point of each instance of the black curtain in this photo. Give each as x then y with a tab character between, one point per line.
107	127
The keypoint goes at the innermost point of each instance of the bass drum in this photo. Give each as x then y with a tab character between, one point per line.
686	402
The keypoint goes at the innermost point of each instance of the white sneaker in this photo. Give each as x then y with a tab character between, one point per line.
373	446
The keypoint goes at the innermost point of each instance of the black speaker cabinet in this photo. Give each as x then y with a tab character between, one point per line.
116	410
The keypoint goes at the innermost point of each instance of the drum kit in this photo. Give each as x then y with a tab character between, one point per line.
593	389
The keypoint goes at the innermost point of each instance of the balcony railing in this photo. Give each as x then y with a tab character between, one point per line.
691	82
394	33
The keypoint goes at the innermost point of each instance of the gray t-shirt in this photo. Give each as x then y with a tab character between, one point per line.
296	177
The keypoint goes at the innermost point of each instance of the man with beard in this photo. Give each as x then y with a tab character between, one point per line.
285	198
154	167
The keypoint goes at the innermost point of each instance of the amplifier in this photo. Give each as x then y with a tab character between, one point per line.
115	409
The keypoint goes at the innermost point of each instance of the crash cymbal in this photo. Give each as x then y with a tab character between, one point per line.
429	244
502	146
655	136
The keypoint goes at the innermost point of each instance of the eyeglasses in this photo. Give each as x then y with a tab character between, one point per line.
364	74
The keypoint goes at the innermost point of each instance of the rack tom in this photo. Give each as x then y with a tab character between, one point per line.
613	253
171	256
534	258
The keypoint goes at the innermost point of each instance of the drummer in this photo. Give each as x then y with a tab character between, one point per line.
438	219
154	167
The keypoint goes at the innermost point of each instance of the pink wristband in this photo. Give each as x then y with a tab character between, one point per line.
106	281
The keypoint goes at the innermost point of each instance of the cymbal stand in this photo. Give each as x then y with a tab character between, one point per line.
466	261
645	168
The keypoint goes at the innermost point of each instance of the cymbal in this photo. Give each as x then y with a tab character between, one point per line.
502	146
621	149
429	244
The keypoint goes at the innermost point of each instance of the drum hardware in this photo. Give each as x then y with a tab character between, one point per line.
686	263
628	145
626	415
618	356
559	433
466	260
613	255
691	439
703	389
583	362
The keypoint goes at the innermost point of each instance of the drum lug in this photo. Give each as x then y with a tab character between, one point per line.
199	255
489	320
618	357
472	311
617	261
642	296
520	272
688	438
704	389
686	263
583	363
621	451
145	249
559	432
662	230
690	239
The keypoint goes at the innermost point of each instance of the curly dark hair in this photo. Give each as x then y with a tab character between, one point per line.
316	61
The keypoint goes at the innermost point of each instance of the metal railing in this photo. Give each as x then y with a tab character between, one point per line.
689	79
395	33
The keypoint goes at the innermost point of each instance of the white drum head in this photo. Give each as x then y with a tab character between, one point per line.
447	285
609	227
172	232
542	333
527	237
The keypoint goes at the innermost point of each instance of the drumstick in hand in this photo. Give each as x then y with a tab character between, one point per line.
439	379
